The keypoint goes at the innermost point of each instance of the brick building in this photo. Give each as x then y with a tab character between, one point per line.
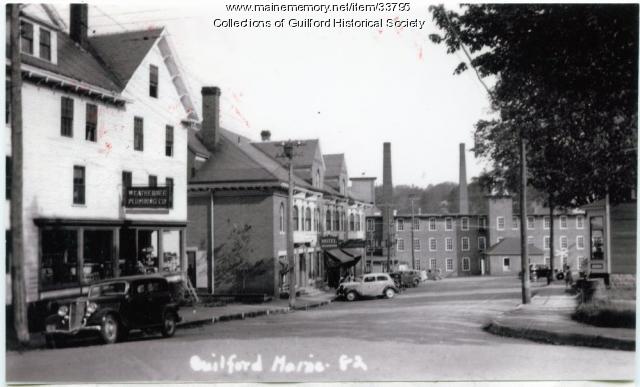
238	191
457	244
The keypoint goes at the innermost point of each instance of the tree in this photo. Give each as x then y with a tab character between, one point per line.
566	81
234	264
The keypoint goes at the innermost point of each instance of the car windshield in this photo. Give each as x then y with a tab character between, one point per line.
109	289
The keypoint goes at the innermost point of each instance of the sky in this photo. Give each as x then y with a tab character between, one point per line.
352	88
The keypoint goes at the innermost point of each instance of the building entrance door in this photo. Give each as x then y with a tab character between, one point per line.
191	267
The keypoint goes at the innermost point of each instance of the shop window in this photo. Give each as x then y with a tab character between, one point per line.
171	250
91	122
66	117
78	185
26	37
147	251
59	260
98	255
153	81
45	44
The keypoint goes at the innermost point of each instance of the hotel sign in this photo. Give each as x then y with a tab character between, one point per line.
329	242
148	197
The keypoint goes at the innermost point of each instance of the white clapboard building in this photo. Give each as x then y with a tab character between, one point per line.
105	122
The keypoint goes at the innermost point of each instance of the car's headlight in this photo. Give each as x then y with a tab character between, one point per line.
91	307
63	310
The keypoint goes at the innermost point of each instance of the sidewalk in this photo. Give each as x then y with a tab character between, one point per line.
548	319
199	315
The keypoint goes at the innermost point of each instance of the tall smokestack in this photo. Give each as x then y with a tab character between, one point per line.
79	23
210	116
388	230
463	198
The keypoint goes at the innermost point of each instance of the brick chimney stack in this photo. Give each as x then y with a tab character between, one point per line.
79	23
387	207
210	132
265	135
463	198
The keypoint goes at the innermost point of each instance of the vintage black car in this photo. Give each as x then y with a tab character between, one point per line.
113	308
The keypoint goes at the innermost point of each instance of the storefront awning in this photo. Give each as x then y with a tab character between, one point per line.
341	258
355	253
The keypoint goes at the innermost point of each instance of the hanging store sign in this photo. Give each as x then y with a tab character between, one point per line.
329	242
148	197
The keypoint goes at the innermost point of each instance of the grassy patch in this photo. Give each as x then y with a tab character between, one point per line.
614	308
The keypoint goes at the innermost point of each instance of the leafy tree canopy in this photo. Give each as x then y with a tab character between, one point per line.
566	81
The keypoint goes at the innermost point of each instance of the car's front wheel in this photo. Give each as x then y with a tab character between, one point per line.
169	325
110	329
389	293
351	296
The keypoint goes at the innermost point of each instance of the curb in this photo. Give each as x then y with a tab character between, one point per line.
550	337
245	315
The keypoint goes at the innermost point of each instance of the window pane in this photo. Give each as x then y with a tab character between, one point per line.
153	81
168	141
138	134
92	122
59	261
45	44
26	37
98	253
147	251
78	185
66	117
171	250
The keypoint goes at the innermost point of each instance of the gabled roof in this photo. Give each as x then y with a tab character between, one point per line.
236	160
303	155
334	164
511	246
123	52
76	63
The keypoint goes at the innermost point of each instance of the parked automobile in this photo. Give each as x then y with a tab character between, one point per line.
370	285
537	272
407	278
114	307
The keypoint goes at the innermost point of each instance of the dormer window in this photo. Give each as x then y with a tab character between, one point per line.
45	44
26	37
153	81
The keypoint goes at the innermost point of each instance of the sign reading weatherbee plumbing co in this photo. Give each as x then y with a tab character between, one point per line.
148	197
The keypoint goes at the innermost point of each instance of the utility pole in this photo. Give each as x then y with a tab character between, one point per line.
389	243
413	248
18	288
288	153
524	248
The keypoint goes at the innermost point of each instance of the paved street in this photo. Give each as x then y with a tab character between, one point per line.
430	333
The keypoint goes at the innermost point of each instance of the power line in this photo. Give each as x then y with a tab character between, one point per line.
110	17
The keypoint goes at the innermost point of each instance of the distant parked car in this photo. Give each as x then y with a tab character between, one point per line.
370	285
537	272
407	278
113	308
